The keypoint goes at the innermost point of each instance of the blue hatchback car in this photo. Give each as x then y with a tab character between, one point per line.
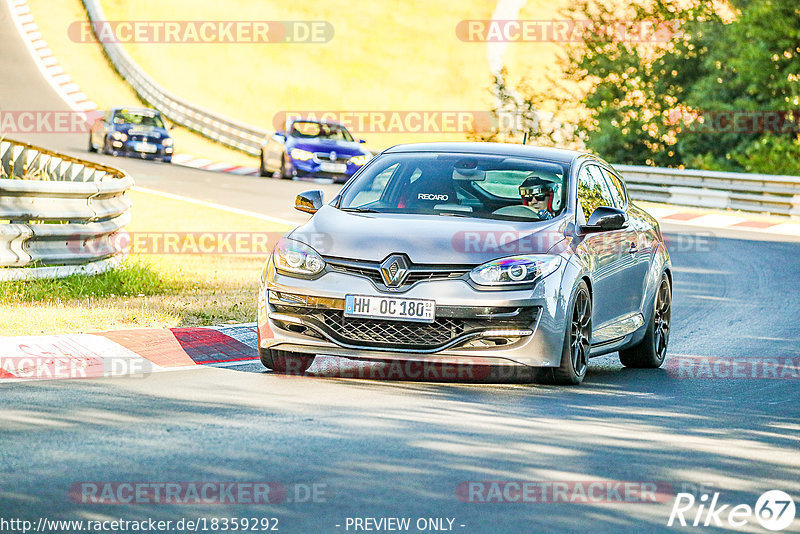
137	132
313	148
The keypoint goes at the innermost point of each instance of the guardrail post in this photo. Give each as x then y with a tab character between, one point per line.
795	211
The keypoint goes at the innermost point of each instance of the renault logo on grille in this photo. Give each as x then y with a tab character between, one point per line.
394	270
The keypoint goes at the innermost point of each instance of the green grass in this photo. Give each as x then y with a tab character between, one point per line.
134	277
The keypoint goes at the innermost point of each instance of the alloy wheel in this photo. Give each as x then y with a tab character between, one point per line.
662	318
580	332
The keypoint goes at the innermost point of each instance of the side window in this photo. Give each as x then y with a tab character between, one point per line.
617	188
593	190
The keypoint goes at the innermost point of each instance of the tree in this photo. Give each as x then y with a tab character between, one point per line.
655	101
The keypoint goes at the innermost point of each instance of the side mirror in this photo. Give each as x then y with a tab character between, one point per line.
362	141
309	202
605	218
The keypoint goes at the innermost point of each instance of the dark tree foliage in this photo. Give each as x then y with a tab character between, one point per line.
666	99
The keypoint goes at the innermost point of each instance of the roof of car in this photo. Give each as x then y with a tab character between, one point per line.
134	109
317	121
503	149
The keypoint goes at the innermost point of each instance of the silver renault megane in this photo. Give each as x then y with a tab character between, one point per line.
508	254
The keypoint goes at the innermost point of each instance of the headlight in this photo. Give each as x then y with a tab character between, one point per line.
515	270
302	155
167	141
360	160
294	257
119	136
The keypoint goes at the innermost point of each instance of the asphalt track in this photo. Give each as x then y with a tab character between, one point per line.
402	448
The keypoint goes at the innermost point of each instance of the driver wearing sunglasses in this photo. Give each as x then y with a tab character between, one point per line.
537	194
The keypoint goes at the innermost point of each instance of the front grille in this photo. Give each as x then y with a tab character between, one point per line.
380	332
372	274
416	273
145	139
450	323
326	156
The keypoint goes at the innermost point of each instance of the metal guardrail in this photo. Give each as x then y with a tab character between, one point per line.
58	214
760	193
227	131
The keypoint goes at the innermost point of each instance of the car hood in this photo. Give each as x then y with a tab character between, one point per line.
138	129
345	148
425	239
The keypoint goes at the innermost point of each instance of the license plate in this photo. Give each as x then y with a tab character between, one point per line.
325	166
145	147
419	310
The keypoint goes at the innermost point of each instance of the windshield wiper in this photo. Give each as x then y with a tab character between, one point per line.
453	214
360	210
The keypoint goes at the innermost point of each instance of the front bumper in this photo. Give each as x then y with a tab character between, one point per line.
134	149
313	168
514	327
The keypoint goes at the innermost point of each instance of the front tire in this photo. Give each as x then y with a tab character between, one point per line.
281	361
651	351
91	144
577	342
284	174
106	146
262	168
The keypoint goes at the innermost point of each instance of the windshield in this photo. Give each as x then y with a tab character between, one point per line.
143	118
319	130
464	185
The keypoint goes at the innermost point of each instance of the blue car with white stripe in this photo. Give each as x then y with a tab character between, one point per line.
313	148
135	132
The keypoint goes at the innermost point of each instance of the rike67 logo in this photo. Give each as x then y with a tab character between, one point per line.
774	510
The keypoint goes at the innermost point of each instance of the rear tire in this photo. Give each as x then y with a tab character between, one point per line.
651	351
91	145
281	361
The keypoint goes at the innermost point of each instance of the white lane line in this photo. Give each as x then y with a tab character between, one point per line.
783	228
216	206
787	229
716	220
